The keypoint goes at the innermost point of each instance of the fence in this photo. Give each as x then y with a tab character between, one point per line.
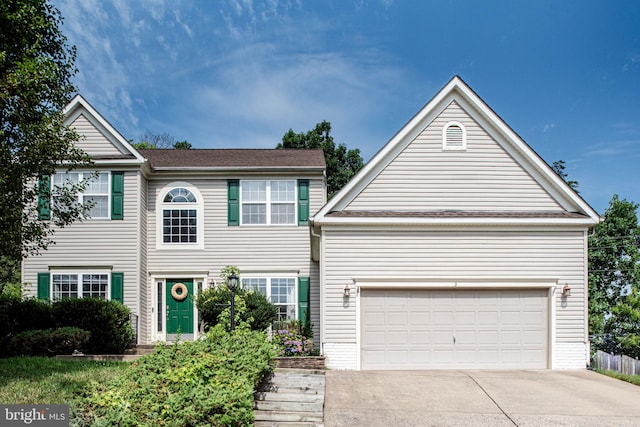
616	362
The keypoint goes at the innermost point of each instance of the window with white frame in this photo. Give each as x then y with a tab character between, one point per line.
80	285
179	216
280	291
268	202
454	136
96	192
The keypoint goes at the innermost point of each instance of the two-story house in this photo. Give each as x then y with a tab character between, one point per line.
167	220
455	247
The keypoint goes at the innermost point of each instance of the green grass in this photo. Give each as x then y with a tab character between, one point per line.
633	379
39	380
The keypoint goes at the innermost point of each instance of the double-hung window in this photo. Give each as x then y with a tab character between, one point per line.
268	202
280	291
95	194
80	285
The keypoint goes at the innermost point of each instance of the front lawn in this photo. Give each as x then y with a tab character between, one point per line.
41	380
633	379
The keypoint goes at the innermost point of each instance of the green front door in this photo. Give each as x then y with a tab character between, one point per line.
179	306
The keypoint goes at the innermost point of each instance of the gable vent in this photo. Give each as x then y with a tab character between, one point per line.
454	137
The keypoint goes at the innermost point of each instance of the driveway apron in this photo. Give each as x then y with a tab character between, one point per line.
479	398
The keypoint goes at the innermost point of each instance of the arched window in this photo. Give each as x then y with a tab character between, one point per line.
454	136
180	216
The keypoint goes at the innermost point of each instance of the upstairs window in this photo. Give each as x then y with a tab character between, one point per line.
180	217
268	202
96	192
454	136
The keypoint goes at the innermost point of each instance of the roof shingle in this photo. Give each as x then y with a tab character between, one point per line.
233	158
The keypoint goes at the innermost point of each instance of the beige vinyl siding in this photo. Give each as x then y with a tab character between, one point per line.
541	253
97	243
426	177
93	141
145	295
270	250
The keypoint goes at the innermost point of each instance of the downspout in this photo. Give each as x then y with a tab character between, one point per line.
320	279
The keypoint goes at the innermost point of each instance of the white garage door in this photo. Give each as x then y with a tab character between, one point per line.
462	329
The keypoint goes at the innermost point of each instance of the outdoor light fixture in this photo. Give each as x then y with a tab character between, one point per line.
346	291
232	284
566	290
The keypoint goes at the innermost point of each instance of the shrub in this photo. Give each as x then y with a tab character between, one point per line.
108	322
290	340
205	382
49	342
253	308
18	316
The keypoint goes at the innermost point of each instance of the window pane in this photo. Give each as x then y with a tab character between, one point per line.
65	286
254	191
179	226
97	185
254	214
256	285
100	208
283	295
94	286
180	195
283	191
283	213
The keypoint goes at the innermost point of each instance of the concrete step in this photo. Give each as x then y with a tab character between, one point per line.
289	397
290	417
278	406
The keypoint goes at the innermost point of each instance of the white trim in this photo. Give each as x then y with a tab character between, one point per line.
452	221
199	207
445	142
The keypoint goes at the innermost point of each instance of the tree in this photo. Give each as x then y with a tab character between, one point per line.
342	164
182	145
614	261
624	325
558	167
36	67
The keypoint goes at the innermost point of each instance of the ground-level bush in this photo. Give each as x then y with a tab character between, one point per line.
108	321
292	339
49	342
206	382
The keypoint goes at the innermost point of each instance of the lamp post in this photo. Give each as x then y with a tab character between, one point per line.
233	285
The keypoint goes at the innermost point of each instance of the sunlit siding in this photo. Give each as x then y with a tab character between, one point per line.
532	254
93	141
268	250
426	177
97	244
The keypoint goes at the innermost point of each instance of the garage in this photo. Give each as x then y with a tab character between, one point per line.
454	329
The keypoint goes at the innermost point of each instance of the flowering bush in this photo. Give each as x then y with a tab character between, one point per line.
289	340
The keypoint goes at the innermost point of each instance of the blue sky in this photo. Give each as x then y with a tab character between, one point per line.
565	75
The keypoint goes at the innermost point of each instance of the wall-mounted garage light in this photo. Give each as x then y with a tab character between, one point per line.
346	292
566	290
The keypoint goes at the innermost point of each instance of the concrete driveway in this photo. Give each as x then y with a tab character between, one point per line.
478	398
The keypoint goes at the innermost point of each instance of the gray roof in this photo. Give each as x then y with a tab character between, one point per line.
234	158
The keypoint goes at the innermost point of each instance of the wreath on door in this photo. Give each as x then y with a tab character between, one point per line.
179	291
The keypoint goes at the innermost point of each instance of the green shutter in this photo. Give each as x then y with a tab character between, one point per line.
43	286
304	315
44	197
117	195
233	198
117	287
303	201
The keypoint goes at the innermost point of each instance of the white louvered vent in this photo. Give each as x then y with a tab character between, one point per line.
454	137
